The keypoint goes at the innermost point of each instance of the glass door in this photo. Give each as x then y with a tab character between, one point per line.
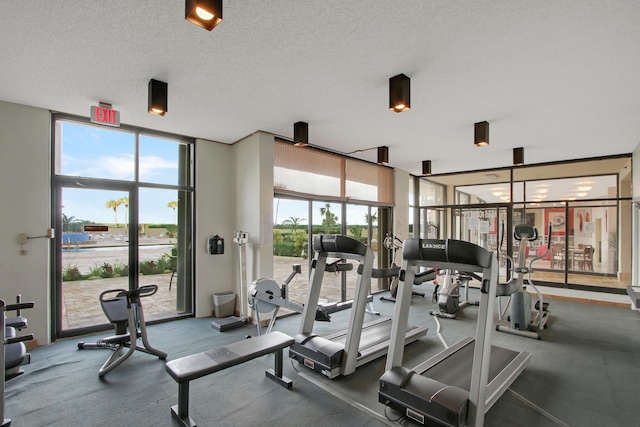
94	252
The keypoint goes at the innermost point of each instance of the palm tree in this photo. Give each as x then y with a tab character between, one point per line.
294	222
330	219
69	222
113	204
173	205
374	218
125	201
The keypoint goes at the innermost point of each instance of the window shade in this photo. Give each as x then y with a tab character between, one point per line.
315	173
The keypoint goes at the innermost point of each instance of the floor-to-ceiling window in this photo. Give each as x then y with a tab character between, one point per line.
123	205
319	192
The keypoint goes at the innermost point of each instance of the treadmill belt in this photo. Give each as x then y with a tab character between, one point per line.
455	370
372	334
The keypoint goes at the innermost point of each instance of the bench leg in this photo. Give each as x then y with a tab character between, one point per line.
276	373
180	412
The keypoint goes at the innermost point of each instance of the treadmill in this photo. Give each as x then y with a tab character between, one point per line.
460	384
340	353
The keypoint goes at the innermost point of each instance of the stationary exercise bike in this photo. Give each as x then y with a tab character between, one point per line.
124	309
394	244
447	295
524	318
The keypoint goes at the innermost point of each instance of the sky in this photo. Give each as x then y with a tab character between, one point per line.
109	153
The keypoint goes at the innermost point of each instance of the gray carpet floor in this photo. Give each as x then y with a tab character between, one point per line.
584	372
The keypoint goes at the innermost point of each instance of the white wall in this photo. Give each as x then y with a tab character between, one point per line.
401	209
215	214
25	191
254	203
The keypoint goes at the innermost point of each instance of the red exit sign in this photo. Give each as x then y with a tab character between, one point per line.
105	115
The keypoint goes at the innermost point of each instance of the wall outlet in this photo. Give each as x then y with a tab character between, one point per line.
22	238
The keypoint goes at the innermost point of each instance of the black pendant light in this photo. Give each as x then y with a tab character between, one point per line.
399	93
383	155
204	13
518	156
426	168
481	134
158	97
301	134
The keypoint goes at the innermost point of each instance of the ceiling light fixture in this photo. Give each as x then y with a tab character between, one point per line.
585	188
383	155
481	134
426	168
518	156
301	134
158	101
399	93
204	13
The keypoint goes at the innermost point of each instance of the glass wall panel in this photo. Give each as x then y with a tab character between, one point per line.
160	161
326	218
149	238
431	193
291	244
94	152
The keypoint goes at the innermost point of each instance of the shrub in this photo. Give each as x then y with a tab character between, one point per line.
71	274
149	267
120	270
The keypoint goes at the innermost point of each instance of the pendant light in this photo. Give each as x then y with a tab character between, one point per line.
158	97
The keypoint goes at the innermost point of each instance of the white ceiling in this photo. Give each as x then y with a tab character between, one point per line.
559	78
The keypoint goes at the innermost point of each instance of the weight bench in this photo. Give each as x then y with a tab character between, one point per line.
188	368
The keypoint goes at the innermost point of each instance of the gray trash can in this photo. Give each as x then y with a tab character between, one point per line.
224	304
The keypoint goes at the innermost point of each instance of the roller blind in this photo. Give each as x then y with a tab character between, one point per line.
313	173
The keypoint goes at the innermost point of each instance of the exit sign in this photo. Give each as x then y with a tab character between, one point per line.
105	115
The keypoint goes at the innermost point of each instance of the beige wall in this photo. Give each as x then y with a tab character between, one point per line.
401	209
215	214
254	204
25	192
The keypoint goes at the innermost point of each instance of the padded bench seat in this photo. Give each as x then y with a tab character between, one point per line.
189	368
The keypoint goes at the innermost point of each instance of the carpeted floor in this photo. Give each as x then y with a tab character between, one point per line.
583	373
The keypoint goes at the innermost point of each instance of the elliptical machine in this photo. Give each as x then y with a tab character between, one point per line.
524	318
394	244
448	295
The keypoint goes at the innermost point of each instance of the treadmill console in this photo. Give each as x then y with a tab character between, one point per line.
335	243
446	251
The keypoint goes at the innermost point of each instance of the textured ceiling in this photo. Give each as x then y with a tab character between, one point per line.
559	78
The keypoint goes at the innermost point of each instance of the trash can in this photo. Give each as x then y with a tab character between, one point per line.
224	304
